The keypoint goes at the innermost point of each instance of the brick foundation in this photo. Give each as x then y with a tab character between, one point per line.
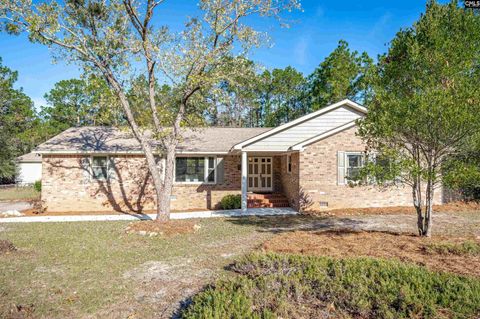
67	187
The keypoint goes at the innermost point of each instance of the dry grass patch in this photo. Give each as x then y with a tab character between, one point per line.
95	270
404	247
164	229
453	207
6	247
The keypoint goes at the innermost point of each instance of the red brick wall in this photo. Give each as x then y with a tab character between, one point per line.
290	182
318	177
65	187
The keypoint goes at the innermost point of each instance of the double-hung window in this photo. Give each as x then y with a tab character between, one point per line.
195	169
349	165
100	167
353	163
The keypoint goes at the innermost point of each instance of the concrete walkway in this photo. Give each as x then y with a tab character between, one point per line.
186	215
17	205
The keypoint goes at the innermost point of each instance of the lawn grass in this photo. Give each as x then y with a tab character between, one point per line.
65	270
95	269
294	286
19	193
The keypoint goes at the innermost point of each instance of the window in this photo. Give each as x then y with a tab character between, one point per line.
211	170
289	163
386	170
100	167
353	164
195	169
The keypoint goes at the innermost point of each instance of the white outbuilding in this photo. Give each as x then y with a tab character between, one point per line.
29	168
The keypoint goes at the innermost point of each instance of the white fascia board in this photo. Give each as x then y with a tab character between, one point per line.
300	146
304	118
201	153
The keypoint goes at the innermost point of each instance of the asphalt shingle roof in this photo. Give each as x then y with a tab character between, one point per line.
111	140
30	158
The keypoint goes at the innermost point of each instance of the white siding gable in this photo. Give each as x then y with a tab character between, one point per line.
312	127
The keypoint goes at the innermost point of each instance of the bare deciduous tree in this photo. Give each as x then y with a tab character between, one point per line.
118	40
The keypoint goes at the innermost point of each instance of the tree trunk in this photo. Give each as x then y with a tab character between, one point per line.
417	203
429	209
162	214
424	216
164	197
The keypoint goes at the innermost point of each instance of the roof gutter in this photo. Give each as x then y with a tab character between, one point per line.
125	152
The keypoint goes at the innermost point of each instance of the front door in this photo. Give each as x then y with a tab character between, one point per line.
260	174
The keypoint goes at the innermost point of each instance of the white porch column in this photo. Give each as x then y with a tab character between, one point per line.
244	180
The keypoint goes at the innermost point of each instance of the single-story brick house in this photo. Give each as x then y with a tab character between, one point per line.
305	163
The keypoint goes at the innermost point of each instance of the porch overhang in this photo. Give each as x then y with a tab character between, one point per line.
296	135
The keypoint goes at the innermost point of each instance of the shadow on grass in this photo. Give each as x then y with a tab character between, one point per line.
281	224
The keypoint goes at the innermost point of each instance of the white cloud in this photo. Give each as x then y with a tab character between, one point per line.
380	25
300	50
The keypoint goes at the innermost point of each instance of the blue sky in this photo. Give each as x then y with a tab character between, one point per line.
366	25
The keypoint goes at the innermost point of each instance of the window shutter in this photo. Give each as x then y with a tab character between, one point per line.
112	172
220	170
340	168
85	166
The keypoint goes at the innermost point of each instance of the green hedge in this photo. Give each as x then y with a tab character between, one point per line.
292	286
231	202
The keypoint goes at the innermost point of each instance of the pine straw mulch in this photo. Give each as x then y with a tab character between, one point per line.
404	247
164	229
453	207
6	247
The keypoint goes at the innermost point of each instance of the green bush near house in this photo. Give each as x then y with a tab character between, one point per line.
231	202
293	286
37	186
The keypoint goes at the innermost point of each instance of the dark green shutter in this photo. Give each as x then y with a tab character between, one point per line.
220	170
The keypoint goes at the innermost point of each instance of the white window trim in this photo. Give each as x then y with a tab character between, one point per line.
345	168
205	170
289	163
92	177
